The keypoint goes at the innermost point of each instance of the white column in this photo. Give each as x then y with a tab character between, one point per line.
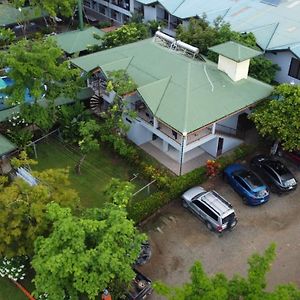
165	146
181	153
155	122
213	130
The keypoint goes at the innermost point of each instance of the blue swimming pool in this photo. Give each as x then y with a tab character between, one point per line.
5	82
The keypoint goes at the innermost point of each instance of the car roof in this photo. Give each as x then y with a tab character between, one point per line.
217	203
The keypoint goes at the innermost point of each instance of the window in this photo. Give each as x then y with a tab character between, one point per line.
205	209
294	70
241	182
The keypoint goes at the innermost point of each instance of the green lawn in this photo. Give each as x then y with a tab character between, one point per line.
96	172
8	291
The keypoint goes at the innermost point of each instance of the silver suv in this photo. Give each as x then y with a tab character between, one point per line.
214	210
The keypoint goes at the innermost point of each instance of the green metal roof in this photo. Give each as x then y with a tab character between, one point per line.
5	145
10	15
235	51
274	24
78	40
186	94
83	94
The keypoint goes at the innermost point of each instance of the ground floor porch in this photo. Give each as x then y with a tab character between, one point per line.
193	159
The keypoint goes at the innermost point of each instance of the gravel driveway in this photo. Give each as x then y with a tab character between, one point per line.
182	239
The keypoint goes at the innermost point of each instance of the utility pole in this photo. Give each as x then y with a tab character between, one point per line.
80	15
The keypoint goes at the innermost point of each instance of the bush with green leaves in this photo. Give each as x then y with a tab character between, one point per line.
13	268
126	34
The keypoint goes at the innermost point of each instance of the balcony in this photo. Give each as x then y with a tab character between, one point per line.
121	3
146	115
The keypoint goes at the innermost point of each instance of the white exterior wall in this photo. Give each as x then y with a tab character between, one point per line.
211	147
149	13
230	143
283	59
236	71
138	133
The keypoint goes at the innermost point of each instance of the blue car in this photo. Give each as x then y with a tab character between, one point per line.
246	183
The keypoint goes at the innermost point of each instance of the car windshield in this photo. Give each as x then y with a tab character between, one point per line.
252	180
278	167
228	218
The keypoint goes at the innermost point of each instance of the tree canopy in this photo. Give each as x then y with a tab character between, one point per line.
279	118
52	7
84	255
218	287
22	208
37	65
201	34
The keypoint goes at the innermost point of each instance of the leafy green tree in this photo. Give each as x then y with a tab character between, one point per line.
84	255
120	82
22	208
52	7
38	65
279	118
203	35
203	287
126	34
88	139
69	118
7	36
119	192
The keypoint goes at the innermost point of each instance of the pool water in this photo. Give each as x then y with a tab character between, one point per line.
5	82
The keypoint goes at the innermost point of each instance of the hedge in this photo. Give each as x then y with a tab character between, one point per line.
138	210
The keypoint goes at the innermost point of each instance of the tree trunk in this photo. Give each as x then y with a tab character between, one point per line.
78	166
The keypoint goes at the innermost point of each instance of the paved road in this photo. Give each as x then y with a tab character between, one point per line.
184	239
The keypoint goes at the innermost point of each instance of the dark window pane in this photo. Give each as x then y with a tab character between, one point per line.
294	70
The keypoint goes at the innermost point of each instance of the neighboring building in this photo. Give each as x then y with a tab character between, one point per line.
118	11
275	23
77	41
185	107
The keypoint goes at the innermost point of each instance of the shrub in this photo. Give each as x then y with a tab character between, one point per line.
104	24
173	187
139	210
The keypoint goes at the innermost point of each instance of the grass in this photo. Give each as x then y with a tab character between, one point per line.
8	291
97	170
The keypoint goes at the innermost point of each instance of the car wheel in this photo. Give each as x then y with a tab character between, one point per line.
209	226
184	204
225	178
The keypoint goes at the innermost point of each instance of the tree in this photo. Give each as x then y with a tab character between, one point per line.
22	208
126	34
52	7
279	118
202	35
37	66
119	192
69	118
84	255
203	287
7	36
88	140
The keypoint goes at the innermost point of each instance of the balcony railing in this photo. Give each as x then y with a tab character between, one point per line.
197	135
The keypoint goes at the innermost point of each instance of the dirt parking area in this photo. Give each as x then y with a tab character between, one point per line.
179	238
